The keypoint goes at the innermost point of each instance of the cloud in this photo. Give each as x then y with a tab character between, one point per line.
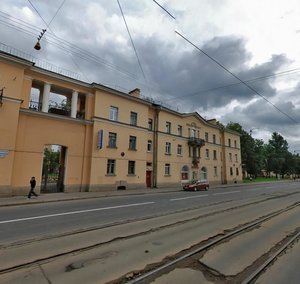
176	73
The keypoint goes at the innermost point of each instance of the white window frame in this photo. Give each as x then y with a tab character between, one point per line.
132	142
207	154
168	148
131	167
179	130
111	167
167	169
179	150
113	113
149	146
168	127
112	140
133	118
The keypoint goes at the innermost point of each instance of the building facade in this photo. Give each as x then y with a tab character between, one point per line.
74	136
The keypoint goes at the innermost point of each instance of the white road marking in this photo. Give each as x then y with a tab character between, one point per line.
230	192
74	212
190	197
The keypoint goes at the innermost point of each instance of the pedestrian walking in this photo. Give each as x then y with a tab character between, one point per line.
32	187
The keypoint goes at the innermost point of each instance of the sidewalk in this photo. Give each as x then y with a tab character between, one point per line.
56	197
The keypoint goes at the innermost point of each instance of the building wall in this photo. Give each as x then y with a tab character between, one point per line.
26	131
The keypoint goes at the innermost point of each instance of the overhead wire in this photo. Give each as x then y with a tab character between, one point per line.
164	9
195	93
236	77
48	26
223	67
63	44
133	45
227	70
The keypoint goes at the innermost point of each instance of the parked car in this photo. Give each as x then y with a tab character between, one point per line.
195	185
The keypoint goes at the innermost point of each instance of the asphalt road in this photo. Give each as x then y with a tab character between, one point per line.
19	223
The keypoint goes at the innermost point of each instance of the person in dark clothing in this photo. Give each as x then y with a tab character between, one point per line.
32	186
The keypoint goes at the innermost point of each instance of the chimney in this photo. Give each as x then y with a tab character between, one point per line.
136	92
212	121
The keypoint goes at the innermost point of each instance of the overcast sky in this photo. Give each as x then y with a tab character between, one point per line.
258	41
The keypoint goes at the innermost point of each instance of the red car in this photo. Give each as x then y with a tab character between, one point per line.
195	185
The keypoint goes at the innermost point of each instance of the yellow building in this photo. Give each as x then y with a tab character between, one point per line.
75	136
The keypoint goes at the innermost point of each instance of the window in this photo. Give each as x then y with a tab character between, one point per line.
231	171
113	113
193	133
230	157
168	127
112	140
203	173
179	130
133	118
214	138
236	157
131	167
168	148
149	146
167	169
150	123
179	150
235	144
132	143
215	154
206	137
215	171
206	154
229	142
237	171
111	167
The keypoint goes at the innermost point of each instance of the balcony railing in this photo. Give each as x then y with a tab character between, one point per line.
56	108
196	142
35	106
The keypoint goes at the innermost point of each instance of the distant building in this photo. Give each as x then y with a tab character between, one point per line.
97	138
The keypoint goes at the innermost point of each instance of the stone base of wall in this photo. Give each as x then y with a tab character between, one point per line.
116	186
76	188
5	191
169	185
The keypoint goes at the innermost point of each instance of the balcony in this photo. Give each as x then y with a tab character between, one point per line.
56	108
196	142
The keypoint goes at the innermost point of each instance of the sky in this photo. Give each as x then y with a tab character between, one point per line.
233	60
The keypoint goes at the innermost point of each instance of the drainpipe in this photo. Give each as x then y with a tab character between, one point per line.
157	109
224	165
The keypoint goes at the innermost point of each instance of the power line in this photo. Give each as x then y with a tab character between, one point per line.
283	73
135	51
236	77
28	29
164	9
63	2
47	25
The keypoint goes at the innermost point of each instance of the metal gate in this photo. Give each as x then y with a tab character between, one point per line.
53	169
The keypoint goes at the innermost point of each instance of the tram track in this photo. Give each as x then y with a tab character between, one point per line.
148	275
212	241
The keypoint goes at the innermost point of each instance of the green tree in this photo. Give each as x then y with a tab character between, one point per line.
251	150
278	155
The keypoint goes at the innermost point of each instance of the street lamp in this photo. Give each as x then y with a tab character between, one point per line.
38	45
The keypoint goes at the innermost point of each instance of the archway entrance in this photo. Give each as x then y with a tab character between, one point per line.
53	171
